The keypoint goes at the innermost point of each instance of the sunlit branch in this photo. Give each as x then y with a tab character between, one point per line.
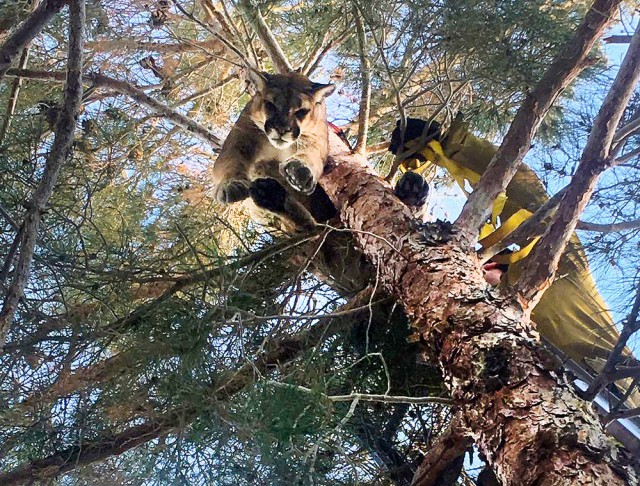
159	109
262	30
365	95
313	62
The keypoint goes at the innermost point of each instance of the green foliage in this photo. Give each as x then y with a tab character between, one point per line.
147	300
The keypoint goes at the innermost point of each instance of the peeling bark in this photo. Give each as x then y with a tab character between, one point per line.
529	425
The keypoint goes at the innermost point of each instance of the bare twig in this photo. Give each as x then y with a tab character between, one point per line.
26	32
542	263
609	227
230	47
64	131
617	39
269	42
126	44
365	95
367	397
313	62
13	95
135	93
570	61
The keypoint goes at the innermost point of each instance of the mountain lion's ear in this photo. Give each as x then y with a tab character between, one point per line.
321	91
259	79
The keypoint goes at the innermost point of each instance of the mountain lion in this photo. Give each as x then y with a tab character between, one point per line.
277	149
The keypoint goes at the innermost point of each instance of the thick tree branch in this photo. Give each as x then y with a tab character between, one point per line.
527	231
609	227
27	31
269	42
571	60
447	450
132	45
159	109
626	131
542	263
89	452
617	39
60	149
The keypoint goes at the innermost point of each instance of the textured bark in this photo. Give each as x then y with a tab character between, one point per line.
531	428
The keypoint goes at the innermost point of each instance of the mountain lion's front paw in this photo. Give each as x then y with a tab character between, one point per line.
269	194
233	191
299	176
412	189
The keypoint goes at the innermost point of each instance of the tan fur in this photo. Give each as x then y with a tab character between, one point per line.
287	109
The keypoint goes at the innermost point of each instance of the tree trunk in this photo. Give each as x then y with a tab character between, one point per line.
529	426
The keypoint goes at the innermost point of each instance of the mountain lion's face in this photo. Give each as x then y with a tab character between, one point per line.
288	105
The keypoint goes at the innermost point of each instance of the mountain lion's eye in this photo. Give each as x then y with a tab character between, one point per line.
300	114
270	107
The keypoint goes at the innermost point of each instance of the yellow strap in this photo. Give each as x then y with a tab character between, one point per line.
498	206
486	230
516	256
507	227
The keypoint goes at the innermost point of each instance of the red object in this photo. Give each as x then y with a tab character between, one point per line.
340	133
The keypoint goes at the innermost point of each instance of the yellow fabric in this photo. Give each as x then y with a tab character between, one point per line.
571	314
